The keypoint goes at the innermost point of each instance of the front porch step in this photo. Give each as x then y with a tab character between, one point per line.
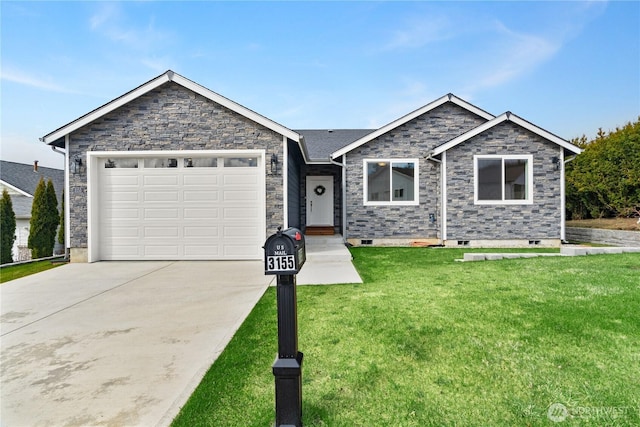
326	249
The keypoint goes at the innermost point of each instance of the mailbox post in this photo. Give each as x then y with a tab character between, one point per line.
284	255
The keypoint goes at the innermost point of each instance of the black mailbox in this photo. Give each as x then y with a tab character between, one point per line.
284	252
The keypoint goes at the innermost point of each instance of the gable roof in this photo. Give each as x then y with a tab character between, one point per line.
320	143
510	117
402	120
24	179
57	136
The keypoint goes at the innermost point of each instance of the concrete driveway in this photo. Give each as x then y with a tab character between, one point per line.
117	343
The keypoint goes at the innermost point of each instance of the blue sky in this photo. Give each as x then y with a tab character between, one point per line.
569	67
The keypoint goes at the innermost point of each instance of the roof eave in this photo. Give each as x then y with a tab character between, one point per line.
55	136
508	116
16	189
60	133
408	117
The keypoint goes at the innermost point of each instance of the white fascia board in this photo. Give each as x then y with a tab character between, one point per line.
470	134
16	189
470	107
234	106
106	108
153	84
508	116
404	119
545	134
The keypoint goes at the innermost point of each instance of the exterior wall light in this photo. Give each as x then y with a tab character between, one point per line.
77	165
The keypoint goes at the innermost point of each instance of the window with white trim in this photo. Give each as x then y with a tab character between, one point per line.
506	179
392	182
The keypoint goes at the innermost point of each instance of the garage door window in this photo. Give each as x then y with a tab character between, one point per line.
240	162
201	162
121	163
160	163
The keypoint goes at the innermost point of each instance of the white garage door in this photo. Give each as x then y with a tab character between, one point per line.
181	208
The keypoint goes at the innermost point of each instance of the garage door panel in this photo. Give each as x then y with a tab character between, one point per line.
201	232
120	196
160	180
161	231
200	180
202	251
200	196
244	213
117	213
124	232
161	250
161	213
240	195
199	213
161	196
121	180
251	180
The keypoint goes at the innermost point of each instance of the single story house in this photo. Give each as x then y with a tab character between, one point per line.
21	180
173	170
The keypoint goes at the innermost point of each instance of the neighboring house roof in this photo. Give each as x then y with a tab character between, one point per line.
23	179
402	120
57	136
320	143
510	117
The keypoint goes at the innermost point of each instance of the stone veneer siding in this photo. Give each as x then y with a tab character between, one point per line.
540	220
167	118
604	237
414	139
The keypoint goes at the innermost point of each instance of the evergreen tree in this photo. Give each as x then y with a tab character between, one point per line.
604	180
61	229
44	220
7	228
53	217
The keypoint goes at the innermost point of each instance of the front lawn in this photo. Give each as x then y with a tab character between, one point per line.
12	272
427	341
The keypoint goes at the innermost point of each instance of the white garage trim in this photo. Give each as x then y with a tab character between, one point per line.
96	166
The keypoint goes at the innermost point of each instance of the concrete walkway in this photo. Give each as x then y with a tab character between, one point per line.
126	343
328	262
117	343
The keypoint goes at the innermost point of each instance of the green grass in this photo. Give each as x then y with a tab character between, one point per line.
427	341
17	271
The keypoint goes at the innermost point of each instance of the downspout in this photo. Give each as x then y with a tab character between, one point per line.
343	165
67	238
443	194
563	202
285	181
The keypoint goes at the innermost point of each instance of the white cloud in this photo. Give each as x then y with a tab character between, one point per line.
39	82
108	12
419	33
514	54
142	40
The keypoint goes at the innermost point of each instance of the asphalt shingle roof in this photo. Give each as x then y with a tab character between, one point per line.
321	143
23	177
